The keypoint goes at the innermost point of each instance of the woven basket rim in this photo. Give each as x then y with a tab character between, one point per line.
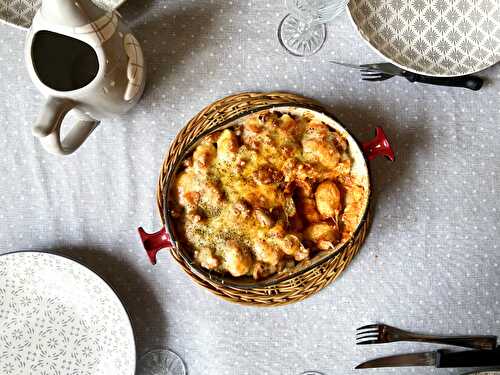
222	280
295	288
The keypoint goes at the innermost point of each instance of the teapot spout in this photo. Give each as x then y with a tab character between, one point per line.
72	13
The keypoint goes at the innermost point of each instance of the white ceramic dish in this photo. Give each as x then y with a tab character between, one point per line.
20	13
432	37
58	317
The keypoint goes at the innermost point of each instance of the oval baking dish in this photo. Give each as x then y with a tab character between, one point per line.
360	154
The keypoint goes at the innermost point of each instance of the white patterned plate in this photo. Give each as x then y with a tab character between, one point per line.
432	37
58	317
21	12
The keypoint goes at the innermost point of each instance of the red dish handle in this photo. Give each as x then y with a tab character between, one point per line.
154	242
378	146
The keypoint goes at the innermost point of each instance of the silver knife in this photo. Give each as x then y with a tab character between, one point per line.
438	358
389	70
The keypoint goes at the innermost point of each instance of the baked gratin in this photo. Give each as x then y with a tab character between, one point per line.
266	194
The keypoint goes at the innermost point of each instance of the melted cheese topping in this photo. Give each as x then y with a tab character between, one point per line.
264	195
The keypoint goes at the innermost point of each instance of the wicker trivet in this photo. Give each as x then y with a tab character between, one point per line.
292	290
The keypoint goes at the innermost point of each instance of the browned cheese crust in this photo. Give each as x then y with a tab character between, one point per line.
264	195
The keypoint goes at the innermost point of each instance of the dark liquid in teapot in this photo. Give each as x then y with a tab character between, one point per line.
63	63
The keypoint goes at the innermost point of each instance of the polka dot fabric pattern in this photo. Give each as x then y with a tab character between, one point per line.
431	261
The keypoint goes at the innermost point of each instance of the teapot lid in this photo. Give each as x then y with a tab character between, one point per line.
71	13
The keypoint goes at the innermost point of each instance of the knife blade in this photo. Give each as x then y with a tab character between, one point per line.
439	359
401	360
353	66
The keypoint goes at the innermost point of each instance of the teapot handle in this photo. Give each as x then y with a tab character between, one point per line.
48	127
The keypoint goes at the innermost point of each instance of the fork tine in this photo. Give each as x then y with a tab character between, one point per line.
368	326
366	332
371	332
374	79
368	342
374	329
368	336
374	73
371	72
377	75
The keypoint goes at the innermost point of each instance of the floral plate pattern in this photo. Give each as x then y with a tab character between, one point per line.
21	12
432	37
57	317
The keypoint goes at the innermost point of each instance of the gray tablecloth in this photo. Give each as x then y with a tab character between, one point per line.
431	261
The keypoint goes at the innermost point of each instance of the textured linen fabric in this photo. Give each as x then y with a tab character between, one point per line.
430	263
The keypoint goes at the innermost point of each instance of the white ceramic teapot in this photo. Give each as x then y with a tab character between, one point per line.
84	59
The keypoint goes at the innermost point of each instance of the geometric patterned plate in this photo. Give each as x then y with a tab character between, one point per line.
432	37
21	12
58	317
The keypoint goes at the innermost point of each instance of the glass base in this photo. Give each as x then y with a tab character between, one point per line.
299	39
160	362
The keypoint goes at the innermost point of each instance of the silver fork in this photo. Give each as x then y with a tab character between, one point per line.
382	333
369	72
383	71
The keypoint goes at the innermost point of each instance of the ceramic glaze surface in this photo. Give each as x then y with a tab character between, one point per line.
433	37
60	318
105	77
